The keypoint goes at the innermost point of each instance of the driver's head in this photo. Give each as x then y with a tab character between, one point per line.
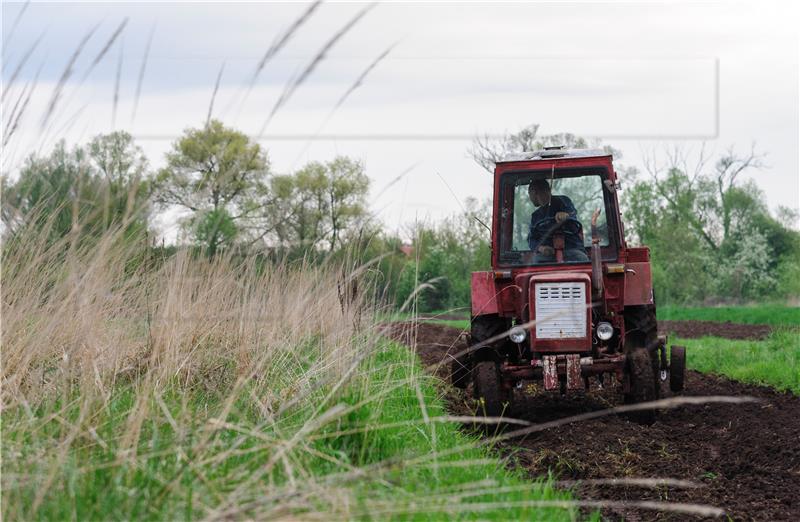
539	192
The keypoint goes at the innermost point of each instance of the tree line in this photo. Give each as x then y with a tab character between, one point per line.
712	235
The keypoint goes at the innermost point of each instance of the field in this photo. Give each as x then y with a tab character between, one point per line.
772	314
763	349
666	461
205	389
751	344
196	326
186	388
773	361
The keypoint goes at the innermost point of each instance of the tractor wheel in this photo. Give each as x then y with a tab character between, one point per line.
459	371
677	368
643	384
485	327
488	388
641	333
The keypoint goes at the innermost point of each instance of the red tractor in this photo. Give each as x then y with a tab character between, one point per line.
567	299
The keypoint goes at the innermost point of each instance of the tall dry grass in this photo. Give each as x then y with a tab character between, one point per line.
84	325
139	386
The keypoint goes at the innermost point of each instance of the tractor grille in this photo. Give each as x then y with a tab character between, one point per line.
560	310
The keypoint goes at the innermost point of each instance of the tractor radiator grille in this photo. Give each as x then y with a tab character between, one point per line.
560	310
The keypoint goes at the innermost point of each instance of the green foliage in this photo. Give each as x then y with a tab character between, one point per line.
216	226
711	237
774	314
317	206
411	466
439	274
788	274
218	175
84	191
772	362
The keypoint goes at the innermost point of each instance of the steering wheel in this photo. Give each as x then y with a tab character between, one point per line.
551	228
549	225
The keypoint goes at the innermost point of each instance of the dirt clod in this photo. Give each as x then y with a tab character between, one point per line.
746	457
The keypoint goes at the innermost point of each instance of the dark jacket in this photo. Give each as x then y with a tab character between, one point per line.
543	223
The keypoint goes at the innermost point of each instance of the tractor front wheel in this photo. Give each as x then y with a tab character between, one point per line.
643	384
488	388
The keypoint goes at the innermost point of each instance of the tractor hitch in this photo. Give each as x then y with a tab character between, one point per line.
570	368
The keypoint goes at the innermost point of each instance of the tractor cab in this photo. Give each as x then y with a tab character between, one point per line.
544	219
566	299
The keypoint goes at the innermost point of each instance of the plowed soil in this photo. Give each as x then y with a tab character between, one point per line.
696	329
744	457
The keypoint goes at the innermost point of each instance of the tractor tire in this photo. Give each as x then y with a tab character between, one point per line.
460	371
488	388
677	368
642	333
485	327
644	384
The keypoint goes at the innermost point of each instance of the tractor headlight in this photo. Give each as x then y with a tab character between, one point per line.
517	334
604	331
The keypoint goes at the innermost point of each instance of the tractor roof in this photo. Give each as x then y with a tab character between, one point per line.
550	153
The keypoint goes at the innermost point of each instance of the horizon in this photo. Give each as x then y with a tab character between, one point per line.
460	76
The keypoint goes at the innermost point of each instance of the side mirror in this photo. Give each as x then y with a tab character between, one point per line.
611	187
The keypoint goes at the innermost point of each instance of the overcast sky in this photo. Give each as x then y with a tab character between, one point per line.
639	75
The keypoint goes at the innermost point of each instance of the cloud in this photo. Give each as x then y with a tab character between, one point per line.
620	70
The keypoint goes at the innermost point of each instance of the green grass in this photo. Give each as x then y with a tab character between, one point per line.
404	405
462	324
430	317
412	469
774	314
773	362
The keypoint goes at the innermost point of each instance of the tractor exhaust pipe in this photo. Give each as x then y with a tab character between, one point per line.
597	266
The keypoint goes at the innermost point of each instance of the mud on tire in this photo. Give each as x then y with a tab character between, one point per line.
488	388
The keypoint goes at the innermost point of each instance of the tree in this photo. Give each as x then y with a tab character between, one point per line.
713	204
219	176
346	191
123	167
316	206
48	193
297	209
700	219
445	257
83	191
486	150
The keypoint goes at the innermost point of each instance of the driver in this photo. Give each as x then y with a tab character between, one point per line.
554	214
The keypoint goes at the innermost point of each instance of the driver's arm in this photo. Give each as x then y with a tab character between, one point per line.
567	210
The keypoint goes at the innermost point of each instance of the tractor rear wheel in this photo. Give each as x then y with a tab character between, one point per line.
643	380
488	388
677	368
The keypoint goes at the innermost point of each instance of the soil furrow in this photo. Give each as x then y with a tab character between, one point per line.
746	457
